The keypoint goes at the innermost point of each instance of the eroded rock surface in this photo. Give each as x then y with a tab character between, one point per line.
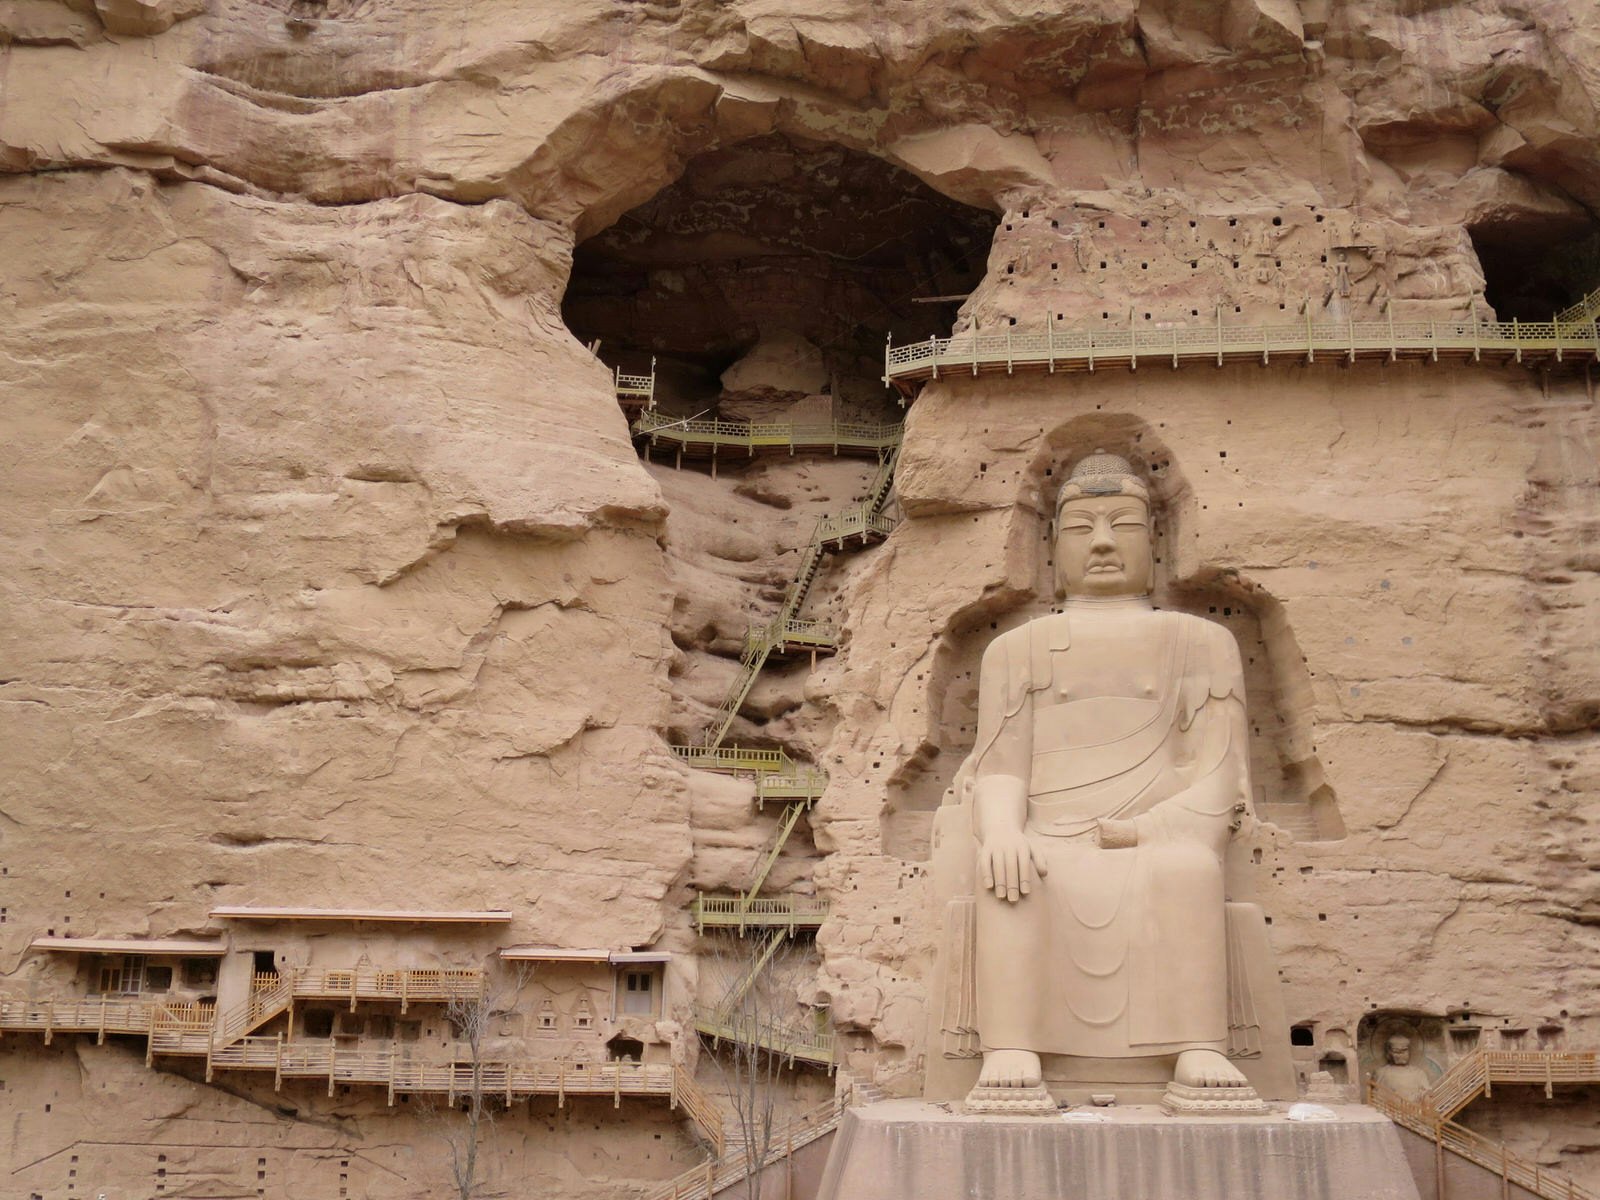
333	578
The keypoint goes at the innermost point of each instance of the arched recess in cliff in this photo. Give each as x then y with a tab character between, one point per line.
1290	789
789	260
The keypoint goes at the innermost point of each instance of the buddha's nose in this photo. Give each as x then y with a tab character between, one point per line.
1102	541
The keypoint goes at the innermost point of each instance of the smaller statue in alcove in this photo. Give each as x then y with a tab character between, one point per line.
1398	1073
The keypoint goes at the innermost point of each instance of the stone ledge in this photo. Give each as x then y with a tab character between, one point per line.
913	1150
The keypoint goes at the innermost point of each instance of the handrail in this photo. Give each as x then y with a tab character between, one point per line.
859	519
791	818
733	1166
1585	310
750	435
787	1041
1420	1117
741	912
1056	348
735	759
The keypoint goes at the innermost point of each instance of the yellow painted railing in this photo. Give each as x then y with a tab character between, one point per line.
793	436
803	783
733	1167
1421	1117
791	634
755	912
407	985
861	520
636	389
736	759
1070	349
1478	1072
786	1041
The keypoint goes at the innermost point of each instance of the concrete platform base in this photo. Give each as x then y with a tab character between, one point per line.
913	1150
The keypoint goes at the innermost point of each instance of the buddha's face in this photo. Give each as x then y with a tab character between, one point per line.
1399	1051
1103	547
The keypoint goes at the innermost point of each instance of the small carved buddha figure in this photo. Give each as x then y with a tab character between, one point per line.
1398	1074
1110	767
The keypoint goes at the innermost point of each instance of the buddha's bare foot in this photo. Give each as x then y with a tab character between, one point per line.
1202	1069
1010	1068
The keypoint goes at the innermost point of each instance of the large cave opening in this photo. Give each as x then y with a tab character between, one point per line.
1536	265
770	274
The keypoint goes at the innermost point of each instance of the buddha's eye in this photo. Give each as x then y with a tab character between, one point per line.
1077	527
1129	523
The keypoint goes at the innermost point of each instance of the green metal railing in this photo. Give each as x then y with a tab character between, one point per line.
1066	349
757	912
794	436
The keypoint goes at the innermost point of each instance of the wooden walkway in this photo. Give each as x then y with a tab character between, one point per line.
695	438
1573	336
733	1167
1475	1075
226	1042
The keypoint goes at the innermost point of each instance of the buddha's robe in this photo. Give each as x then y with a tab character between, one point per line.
1128	714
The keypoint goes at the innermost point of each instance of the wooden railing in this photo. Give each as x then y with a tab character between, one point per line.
759	912
860	520
1476	1074
635	389
767	435
783	633
735	1166
1068	349
194	1029
736	760
793	1042
803	783
408	985
1421	1117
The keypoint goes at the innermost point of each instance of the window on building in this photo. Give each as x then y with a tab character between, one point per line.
318	1022
199	972
638	992
351	1024
122	976
158	979
408	1031
380	1027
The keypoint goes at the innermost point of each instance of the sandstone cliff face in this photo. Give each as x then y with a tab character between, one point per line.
333	578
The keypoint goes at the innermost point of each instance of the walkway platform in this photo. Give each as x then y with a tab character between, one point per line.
1073	349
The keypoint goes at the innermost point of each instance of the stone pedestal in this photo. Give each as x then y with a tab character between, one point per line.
913	1150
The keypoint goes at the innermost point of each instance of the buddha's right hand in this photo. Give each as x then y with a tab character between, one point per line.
1009	864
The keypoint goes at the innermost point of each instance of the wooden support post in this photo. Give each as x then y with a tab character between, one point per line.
1516	336
405	991
1433	337
1350	333
1008	346
277	1070
1050	339
1438	1162
561	1083
391	1074
333	1053
1174	347
1394	351
1477	337
1311	354
352	991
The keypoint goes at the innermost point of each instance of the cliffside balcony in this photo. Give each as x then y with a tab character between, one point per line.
784	638
793	1042
759	912
1573	335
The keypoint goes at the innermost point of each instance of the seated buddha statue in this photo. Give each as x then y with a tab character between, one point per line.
1108	775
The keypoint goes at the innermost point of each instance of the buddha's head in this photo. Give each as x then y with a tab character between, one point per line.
1103	543
1398	1051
